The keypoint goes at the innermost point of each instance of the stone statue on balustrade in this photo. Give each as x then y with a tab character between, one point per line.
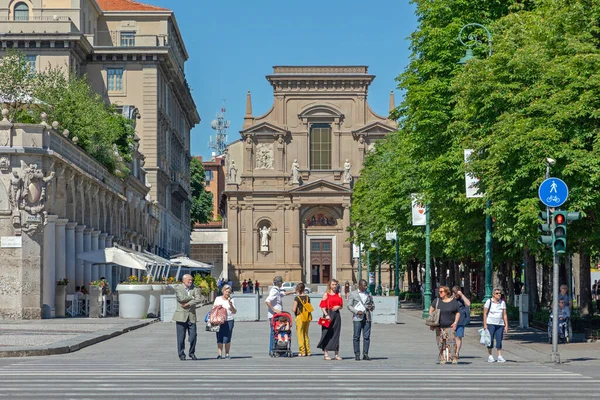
265	231
347	174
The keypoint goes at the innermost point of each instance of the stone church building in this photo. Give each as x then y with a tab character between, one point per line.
290	177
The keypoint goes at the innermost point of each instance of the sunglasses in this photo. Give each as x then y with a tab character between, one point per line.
498	293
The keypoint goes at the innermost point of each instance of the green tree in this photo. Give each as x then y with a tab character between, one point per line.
202	201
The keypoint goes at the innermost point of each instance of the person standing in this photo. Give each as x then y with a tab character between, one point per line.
256	284
185	316
331	303
495	320
244	286
300	301
361	306
225	330
463	305
449	317
346	289
250	286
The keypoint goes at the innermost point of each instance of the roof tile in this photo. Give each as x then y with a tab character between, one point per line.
127	5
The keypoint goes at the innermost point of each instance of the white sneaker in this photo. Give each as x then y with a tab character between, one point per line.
501	359
491	359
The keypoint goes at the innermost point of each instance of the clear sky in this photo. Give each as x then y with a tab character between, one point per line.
233	45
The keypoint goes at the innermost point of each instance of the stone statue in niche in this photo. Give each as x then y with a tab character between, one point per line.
264	156
295	172
232	172
4	163
347	174
265	231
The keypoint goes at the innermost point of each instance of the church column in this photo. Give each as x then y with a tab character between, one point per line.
295	229
279	245
249	244
79	277
49	281
233	239
101	245
61	249
87	246
94	246
71	256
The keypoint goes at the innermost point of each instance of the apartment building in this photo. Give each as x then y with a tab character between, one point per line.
133	54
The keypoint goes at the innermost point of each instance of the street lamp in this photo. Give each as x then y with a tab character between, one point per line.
473	41
393	236
372	271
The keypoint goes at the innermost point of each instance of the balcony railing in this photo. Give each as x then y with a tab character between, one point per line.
126	39
37	18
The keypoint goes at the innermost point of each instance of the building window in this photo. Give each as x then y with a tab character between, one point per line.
31	63
127	39
21	12
208	175
115	79
320	147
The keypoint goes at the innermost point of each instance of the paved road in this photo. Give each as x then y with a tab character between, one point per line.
143	364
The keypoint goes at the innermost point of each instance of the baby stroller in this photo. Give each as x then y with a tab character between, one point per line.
281	348
563	330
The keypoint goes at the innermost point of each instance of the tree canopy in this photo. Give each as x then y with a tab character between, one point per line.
202	201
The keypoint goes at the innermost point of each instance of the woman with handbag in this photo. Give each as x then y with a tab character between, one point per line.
226	328
331	322
449	315
302	310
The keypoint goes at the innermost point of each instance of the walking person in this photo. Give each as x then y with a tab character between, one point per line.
449	317
225	330
300	302
463	304
244	286
346	289
495	320
256	285
331	303
185	316
361	306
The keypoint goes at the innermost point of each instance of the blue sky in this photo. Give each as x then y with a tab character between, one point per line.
233	45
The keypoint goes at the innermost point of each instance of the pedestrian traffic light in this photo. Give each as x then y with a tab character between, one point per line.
559	234
544	230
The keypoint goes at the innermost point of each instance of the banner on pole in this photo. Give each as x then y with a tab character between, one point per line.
471	181
356	249
418	211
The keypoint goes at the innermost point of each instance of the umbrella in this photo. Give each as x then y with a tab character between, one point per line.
188	262
114	255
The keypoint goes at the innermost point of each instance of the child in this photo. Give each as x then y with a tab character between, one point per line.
282	327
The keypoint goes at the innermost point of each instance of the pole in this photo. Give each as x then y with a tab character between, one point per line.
427	289
488	253
555	355
379	289
369	271
396	277
359	262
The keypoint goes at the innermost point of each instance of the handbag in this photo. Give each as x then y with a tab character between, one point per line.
324	322
434	318
218	315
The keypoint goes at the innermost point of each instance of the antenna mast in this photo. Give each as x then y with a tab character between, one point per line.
219	143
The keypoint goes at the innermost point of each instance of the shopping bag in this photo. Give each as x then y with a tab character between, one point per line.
485	337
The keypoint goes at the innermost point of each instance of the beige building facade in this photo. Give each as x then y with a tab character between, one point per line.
288	202
134	56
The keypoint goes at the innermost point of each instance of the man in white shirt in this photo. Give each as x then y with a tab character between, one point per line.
274	304
361	305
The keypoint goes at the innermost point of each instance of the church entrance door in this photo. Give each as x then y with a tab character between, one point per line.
320	260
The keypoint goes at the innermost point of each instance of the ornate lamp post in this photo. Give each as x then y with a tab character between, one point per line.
393	236
472	42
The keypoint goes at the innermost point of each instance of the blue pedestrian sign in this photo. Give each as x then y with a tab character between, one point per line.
553	192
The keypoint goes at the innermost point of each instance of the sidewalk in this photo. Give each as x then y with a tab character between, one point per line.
60	335
530	345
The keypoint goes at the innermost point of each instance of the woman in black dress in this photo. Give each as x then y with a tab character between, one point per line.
331	303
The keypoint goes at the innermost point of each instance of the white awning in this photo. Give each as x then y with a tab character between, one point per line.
192	264
115	255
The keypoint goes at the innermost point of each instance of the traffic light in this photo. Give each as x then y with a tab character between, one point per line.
544	229
559	234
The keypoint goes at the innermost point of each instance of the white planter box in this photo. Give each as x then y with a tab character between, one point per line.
134	300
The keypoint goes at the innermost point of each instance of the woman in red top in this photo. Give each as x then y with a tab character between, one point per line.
330	337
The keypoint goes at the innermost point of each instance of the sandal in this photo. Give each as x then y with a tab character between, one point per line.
300	355
338	358
327	358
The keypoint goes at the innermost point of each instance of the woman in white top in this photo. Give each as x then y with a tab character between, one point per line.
495	320
225	330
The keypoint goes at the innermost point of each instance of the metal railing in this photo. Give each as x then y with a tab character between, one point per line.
127	39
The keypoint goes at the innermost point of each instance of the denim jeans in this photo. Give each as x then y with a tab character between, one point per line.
496	332
363	326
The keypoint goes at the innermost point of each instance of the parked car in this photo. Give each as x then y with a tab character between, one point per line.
291	287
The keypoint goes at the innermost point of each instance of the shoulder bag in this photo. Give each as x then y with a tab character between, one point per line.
434	318
324	322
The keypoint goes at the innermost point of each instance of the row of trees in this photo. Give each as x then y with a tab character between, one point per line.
536	96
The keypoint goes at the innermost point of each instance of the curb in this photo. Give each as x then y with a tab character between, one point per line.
78	343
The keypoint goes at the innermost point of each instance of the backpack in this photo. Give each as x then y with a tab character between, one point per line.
307	308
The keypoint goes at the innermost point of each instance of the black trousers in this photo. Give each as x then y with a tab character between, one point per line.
182	328
363	326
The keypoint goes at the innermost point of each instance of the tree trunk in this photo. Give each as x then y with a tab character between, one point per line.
510	283
576	276
546	285
531	281
585	285
457	274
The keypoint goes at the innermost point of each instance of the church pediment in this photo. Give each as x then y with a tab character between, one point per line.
264	128
374	128
321	186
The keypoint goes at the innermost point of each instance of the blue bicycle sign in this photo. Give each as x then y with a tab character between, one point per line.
553	192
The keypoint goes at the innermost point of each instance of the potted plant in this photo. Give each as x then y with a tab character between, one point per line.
60	299
134	297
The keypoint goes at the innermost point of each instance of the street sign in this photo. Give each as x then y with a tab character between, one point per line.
390	235
553	192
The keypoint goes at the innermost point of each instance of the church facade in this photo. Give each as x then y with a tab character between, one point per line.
290	177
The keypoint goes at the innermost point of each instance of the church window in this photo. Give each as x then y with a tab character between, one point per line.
21	12
320	147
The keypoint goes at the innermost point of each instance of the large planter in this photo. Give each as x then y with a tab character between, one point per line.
95	302
154	305
134	300
60	300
